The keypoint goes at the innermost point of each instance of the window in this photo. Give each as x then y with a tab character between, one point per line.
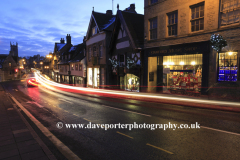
184	72
153	28
172	23
89	54
121	58
80	67
72	67
69	56
227	66
94	52
197	17
94	30
153	1
76	67
229	12
9	64
100	51
65	68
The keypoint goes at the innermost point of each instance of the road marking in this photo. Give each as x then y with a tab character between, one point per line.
75	115
125	135
159	148
38	104
35	103
128	111
61	146
237	134
64	100
87	119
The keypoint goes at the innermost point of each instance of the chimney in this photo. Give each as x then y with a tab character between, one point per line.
68	39
132	6
62	40
109	12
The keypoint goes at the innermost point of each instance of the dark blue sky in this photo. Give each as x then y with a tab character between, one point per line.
37	25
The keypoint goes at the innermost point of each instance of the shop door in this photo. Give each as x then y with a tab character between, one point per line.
159	78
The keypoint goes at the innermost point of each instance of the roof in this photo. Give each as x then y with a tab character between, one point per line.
60	46
73	48
79	53
104	21
135	25
2	59
63	62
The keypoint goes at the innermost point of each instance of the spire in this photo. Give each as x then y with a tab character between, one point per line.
117	6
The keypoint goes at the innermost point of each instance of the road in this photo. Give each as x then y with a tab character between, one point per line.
217	138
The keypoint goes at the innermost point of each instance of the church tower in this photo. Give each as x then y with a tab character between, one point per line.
13	49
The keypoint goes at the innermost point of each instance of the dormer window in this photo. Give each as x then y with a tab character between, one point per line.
94	30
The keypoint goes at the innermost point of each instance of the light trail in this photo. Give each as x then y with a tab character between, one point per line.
47	83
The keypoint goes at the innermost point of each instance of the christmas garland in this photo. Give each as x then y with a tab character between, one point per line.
217	42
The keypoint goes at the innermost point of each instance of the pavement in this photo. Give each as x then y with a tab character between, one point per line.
18	141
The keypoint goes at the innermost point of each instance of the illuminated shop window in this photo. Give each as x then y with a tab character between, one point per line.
182	72
130	82
228	66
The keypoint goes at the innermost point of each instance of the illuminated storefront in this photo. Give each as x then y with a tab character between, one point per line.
130	82
93	77
89	76
182	72
182	68
228	69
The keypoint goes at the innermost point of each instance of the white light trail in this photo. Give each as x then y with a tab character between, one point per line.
47	83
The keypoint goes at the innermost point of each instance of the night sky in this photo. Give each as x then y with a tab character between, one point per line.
37	25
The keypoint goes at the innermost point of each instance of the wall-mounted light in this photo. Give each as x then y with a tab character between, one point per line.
193	63
181	63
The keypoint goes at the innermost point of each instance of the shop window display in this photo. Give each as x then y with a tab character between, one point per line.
130	82
182	73
228	66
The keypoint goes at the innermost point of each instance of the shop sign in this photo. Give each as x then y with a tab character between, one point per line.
166	70
179	49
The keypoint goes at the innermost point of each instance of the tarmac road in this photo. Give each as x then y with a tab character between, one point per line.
217	138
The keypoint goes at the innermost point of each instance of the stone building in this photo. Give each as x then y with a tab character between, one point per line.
178	51
8	68
97	48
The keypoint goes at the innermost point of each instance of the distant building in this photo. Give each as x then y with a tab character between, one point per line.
8	68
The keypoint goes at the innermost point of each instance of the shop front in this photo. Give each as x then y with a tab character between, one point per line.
130	82
182	73
180	68
93	77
